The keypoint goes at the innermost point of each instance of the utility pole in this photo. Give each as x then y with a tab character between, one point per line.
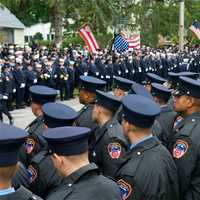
181	25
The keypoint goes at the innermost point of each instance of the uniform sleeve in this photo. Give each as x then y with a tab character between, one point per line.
21	177
112	154
194	193
156	129
23	155
185	154
43	180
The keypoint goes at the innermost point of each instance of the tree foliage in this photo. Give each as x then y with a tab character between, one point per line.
162	17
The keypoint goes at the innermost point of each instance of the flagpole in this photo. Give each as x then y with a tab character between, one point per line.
181	25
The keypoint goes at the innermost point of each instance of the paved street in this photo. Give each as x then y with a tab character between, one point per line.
23	117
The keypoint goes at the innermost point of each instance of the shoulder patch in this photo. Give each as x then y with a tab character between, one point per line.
125	189
29	145
180	148
176	122
32	174
114	150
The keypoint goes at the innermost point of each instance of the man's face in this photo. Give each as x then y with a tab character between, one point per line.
82	96
61	62
46	62
95	113
30	68
7	69
119	93
36	108
180	103
125	126
148	87
58	164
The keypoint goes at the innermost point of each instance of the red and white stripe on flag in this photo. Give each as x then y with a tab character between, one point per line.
86	34
196	31
134	42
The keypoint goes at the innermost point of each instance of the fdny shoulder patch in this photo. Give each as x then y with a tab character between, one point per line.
180	148
114	150
125	189
32	174
29	145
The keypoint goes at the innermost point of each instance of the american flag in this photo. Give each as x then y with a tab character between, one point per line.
134	42
195	28
86	34
120	44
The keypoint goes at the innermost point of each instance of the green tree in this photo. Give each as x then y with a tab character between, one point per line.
98	13
38	36
154	17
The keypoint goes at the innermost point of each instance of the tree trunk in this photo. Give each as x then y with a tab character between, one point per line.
57	23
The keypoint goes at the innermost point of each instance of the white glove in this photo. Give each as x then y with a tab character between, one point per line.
22	85
65	78
119	72
140	70
102	77
5	97
55	76
35	81
14	90
97	73
126	71
107	77
85	73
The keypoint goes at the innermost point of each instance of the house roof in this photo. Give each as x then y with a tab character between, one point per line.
8	20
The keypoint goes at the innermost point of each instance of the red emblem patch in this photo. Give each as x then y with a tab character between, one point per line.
114	150
30	145
180	148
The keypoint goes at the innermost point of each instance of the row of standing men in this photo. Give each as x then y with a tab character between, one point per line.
135	135
62	73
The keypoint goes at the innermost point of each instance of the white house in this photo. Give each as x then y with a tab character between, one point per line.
43	28
11	28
